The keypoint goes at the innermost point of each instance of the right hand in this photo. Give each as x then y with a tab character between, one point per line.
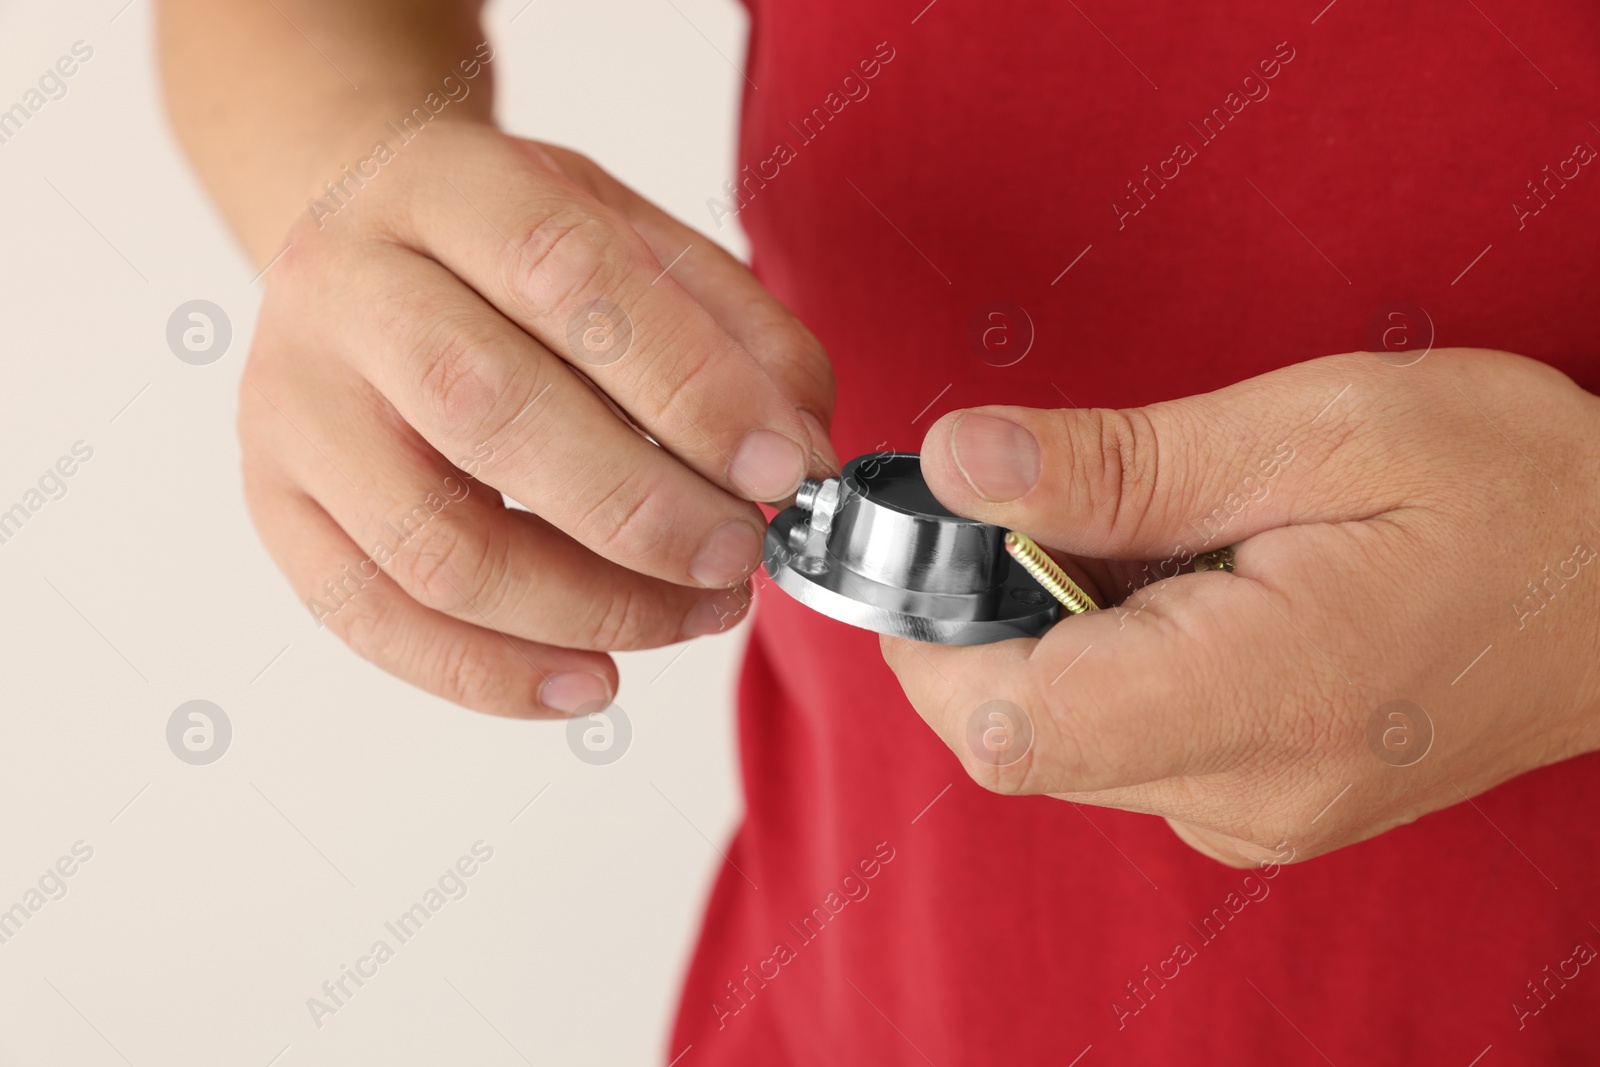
435	343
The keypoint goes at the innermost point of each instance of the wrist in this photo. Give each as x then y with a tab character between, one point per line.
268	121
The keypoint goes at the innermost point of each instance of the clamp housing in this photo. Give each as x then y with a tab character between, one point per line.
875	549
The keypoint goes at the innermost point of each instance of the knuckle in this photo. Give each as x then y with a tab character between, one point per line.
459	372
306	250
446	564
309	257
1125	477
627	523
448	378
690	379
620	623
568	253
464	672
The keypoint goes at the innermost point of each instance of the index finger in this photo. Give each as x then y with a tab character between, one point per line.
574	274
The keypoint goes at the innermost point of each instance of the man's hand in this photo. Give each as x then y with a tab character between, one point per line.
1414	616
490	315
460	313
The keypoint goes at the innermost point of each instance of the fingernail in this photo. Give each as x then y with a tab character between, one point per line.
820	442
572	691
767	466
999	459
728	553
716	613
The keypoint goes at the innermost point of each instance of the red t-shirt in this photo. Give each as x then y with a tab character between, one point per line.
914	167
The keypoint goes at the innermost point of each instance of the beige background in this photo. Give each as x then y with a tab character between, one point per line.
219	898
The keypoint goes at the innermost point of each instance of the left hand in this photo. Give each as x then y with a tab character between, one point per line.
1424	534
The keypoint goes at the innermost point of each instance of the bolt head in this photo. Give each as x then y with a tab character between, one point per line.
824	505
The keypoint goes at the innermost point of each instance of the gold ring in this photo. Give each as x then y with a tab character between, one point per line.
1218	559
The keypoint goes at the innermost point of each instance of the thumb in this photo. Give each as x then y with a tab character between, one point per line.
1200	472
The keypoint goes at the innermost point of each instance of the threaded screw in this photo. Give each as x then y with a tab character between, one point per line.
1048	573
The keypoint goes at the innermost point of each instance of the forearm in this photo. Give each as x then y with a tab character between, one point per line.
267	118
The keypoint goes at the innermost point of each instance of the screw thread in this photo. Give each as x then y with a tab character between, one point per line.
1048	573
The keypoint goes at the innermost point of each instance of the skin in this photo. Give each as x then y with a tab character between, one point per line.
415	347
483	315
1393	545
